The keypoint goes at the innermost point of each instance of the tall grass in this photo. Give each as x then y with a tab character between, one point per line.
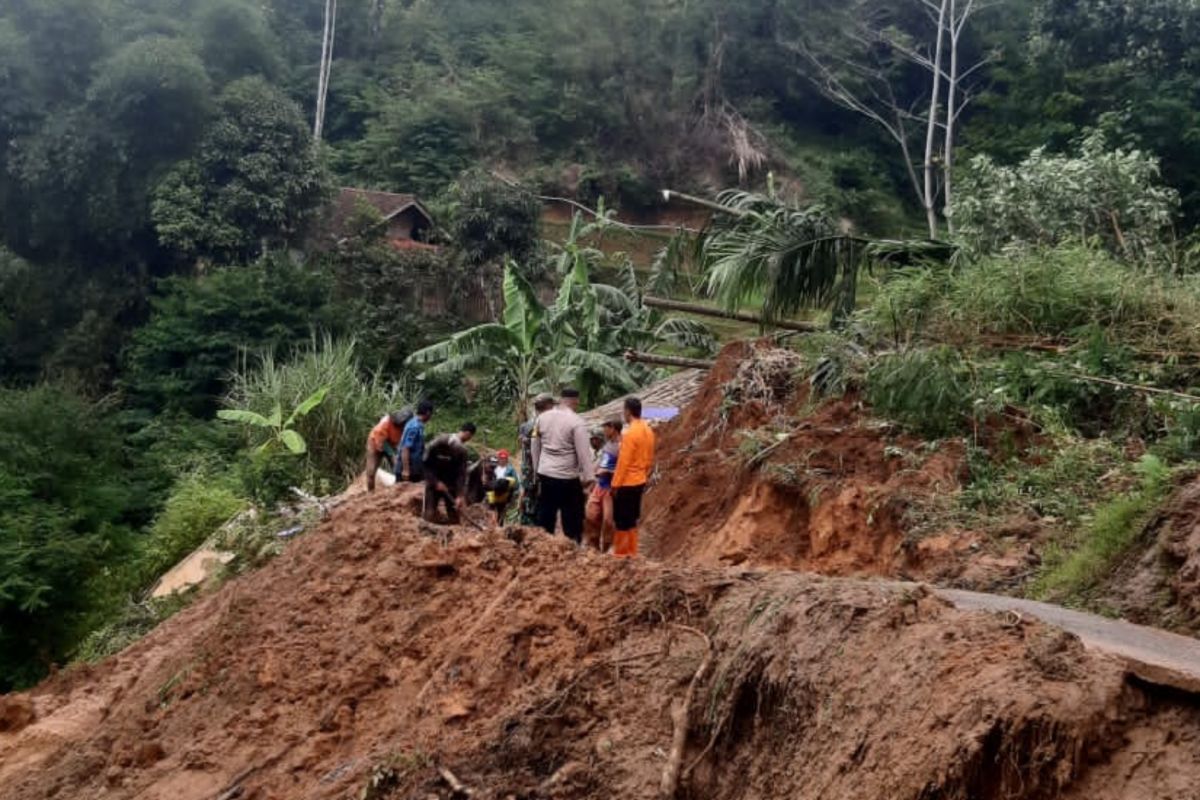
335	430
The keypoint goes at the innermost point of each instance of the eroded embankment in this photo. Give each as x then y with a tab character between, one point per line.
373	653
759	472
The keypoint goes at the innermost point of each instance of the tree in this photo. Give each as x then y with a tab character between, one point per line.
759	249
65	485
580	339
490	220
863	59
1113	195
235	41
254	184
183	357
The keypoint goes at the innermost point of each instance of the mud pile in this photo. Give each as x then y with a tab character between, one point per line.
759	472
380	658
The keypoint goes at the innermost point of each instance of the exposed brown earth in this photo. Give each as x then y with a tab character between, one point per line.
825	488
372	652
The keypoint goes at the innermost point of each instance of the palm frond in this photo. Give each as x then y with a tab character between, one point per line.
455	365
617	300
669	265
612	371
490	338
687	333
790	258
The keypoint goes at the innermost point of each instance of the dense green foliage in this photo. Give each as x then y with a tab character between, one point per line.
1114	196
252	185
69	498
182	357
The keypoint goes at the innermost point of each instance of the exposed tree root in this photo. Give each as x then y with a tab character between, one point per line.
680	712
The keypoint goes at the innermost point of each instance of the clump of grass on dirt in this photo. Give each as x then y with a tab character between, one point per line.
928	391
1059	292
1073	569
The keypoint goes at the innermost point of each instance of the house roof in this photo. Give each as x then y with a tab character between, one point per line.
660	401
388	204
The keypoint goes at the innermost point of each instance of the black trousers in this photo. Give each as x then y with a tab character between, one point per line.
627	507
565	496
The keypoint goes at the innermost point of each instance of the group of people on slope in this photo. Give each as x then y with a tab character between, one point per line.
569	475
578	484
442	464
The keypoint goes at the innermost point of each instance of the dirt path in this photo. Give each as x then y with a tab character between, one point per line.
1155	656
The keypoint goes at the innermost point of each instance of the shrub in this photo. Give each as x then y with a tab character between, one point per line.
64	492
1050	292
182	358
195	510
1114	196
1068	290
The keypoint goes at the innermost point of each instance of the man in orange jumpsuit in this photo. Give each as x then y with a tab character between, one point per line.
634	465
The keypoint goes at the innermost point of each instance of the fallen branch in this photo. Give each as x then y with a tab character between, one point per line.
456	786
709	311
1132	387
680	712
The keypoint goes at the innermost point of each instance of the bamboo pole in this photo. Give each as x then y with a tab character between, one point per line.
667	361
708	311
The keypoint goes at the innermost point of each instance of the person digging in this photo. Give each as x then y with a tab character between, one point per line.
383	444
446	464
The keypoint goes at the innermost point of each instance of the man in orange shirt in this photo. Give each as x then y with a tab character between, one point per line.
383	441
634	466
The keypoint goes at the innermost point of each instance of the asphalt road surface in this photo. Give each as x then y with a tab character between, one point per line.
1155	656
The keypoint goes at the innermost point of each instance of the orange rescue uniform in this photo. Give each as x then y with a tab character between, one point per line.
634	465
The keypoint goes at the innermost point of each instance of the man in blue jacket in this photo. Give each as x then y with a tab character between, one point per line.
411	464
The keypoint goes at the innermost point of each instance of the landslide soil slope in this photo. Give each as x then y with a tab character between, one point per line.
377	651
757	472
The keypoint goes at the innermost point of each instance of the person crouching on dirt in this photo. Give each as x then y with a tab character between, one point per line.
503	483
446	463
599	513
634	465
382	444
529	486
410	467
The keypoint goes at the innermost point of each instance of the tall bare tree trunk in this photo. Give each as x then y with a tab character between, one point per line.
948	147
325	67
375	25
958	23
930	191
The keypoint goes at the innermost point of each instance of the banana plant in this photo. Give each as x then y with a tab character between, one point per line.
281	432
